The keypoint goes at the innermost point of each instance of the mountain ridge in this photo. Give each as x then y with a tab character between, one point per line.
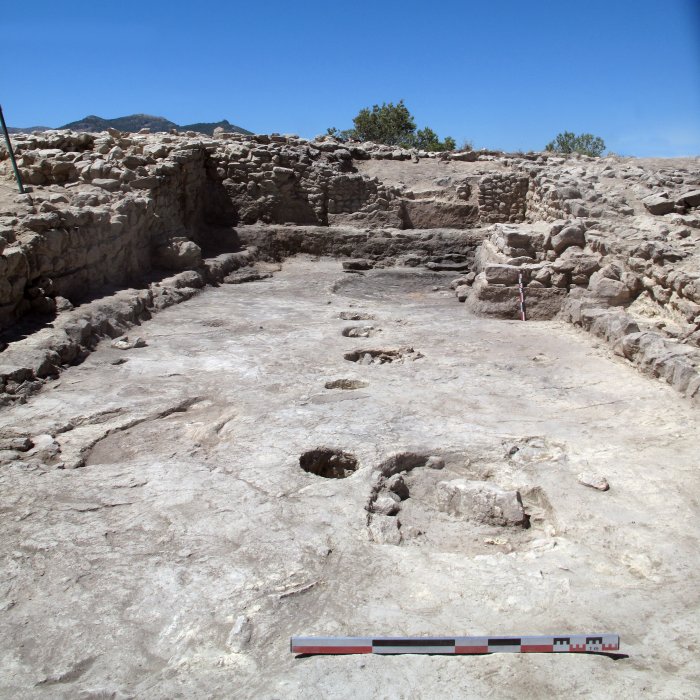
136	122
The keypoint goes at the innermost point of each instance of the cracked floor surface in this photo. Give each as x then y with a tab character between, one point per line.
188	548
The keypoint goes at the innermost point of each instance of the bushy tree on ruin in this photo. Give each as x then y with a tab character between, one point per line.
393	125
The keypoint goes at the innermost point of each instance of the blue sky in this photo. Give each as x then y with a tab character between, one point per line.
504	74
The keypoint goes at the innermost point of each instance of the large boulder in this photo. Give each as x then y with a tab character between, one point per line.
612	325
692	290
573	235
611	292
579	264
689	199
658	204
177	254
521	239
568	192
516	242
501	274
146	183
384	529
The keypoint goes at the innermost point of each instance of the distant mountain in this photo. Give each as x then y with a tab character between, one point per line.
208	127
136	122
133	122
26	129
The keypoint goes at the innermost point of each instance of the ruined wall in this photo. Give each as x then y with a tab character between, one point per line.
561	189
276	179
503	197
112	208
438	250
548	261
634	295
660	290
101	224
549	200
108	208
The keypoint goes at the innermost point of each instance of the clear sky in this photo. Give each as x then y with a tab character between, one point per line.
504	74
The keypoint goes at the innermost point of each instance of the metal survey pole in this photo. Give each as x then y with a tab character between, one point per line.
11	152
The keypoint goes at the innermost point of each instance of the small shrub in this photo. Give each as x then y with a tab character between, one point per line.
568	142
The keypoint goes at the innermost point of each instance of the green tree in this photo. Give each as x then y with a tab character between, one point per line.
427	140
449	144
390	124
568	142
394	125
343	134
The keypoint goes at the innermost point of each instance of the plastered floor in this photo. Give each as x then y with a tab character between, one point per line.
180	559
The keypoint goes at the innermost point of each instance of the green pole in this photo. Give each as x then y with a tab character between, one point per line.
11	152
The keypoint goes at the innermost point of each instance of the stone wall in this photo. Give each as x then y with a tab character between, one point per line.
660	292
436	249
634	295
503	197
276	179
548	260
108	208
72	238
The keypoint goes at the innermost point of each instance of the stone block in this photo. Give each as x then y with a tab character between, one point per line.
658	204
145	183
573	235
612	292
689	199
480	502
501	274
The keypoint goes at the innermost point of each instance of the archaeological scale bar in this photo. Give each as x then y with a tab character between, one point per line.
572	643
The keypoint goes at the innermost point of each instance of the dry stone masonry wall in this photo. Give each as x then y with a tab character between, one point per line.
289	180
609	244
502	197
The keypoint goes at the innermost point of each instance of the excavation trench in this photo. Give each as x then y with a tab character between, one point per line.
294	485
462	471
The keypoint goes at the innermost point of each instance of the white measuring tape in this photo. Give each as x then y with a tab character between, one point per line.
455	645
522	296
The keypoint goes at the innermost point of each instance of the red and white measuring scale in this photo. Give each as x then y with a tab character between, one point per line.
575	643
522	296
